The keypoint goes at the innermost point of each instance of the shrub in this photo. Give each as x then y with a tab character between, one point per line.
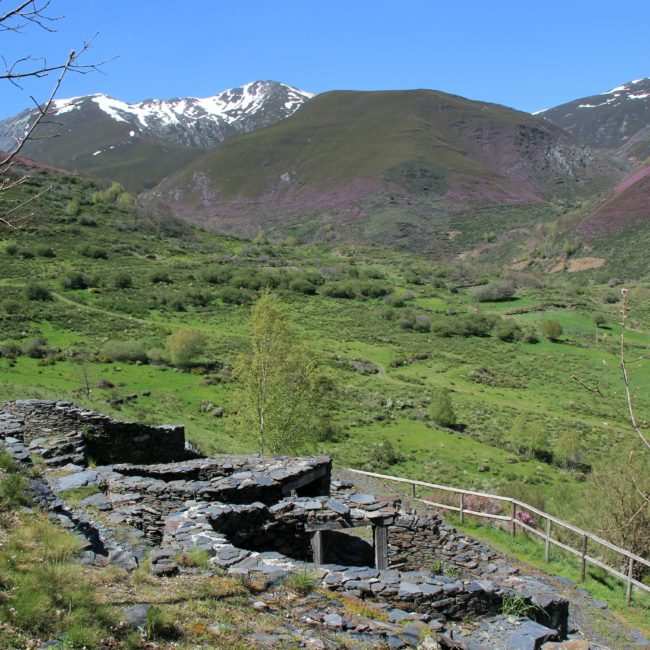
568	449
374	289
494	292
159	277
339	290
72	208
314	277
128	351
177	304
476	324
11	249
36	348
384	455
13	491
302	285
396	301
525	518
507	330
183	345
529	437
551	329
87	221
35	291
232	296
9	350
75	280
422	324
609	298
161	625
442	410
529	335
252	279
301	582
10	306
199	298
122	280
45	251
599	319
218	274
93	252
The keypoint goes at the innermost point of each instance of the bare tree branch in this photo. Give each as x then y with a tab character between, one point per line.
34	13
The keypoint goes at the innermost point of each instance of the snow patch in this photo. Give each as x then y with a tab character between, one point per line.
228	106
97	153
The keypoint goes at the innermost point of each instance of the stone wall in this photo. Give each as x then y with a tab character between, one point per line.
424	540
107	441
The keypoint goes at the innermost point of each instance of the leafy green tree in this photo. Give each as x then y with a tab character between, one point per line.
599	319
530	438
280	390
184	345
442	410
551	329
568	449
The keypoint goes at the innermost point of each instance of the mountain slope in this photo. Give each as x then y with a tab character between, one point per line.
139	144
627	207
375	166
617	120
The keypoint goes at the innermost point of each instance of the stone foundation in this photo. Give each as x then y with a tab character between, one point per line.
259	517
105	440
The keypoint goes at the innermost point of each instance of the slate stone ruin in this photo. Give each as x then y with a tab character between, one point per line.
261	517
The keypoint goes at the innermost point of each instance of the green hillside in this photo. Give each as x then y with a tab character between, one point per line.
93	144
95	295
422	159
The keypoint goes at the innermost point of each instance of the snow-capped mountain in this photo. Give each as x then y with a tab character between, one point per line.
101	134
618	119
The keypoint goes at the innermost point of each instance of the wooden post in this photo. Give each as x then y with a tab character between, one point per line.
381	546
583	559
628	591
317	546
514	518
462	507
413	489
547	542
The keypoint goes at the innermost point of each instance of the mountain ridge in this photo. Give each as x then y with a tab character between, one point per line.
617	120
419	153
141	143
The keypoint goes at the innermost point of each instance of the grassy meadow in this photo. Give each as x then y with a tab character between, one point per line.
91	288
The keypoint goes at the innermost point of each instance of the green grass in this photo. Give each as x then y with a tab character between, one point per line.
600	585
389	406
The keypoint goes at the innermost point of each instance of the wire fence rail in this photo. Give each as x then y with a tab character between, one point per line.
551	524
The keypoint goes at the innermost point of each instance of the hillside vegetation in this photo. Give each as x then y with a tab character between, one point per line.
93	287
412	169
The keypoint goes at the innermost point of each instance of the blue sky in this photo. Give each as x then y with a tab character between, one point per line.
528	55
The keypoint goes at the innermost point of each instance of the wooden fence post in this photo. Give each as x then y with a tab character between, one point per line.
462	508
628	591
413	489
583	559
514	518
547	542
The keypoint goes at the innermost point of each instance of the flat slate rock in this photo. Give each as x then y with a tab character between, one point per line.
77	480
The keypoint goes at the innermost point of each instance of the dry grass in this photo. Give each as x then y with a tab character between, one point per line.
364	608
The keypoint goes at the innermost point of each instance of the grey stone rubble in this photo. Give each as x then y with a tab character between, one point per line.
264	518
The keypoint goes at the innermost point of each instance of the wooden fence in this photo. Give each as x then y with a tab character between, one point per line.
551	523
